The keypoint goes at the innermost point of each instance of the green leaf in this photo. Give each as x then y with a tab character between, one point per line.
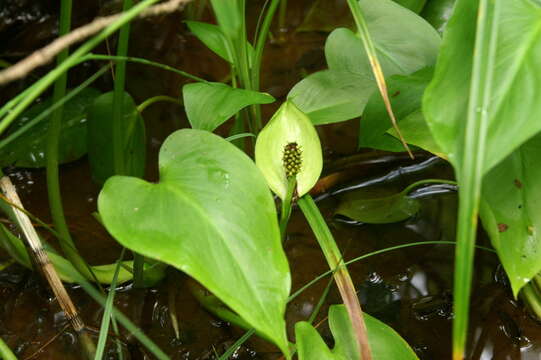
385	343
377	206
289	125
416	132
515	88
406	94
325	16
100	138
438	13
511	212
195	219
413	5
29	149
230	17
212	36
208	105
332	96
402	46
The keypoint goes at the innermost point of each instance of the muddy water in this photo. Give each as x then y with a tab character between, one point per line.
410	289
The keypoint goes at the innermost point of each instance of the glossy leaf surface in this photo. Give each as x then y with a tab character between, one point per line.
438	13
208	105
511	212
375	206
100	138
212	216
402	46
515	89
385	343
406	96
332	96
28	150
341	93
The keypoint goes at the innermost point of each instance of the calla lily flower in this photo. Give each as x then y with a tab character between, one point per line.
289	146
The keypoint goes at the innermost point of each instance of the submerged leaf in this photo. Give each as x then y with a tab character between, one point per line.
101	139
385	343
208	105
372	206
28	150
212	216
289	125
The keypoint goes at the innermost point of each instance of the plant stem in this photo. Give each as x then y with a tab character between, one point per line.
287	205
41	85
53	140
258	55
118	97
282	15
141	107
14	135
5	351
139	61
341	275
532	298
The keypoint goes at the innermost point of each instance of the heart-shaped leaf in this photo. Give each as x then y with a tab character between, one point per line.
212	216
511	212
332	96
28	150
385	343
402	46
208	105
438	13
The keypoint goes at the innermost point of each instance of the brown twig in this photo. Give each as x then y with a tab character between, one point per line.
47	54
42	260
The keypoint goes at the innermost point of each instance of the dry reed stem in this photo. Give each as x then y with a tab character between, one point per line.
47	54
40	256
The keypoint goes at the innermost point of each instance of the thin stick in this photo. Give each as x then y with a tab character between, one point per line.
42	260
47	54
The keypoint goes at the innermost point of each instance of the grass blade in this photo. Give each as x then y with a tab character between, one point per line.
105	321
470	172
362	28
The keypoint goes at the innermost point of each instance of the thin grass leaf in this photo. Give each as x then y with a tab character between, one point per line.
376	67
105	321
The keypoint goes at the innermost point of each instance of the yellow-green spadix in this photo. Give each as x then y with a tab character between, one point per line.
289	130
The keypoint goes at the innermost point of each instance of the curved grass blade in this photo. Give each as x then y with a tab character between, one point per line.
376	67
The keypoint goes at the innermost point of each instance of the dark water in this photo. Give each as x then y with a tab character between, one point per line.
410	289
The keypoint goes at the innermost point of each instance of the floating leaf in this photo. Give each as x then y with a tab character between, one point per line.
385	343
208	105
101	143
195	219
511	212
28	150
289	125
375	206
